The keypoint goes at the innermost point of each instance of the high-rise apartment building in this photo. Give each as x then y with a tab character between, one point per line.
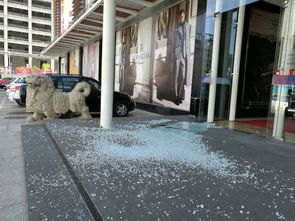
25	29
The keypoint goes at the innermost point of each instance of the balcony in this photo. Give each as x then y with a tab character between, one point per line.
17	4
40	43
41	9
41	31
18	40
40	20
19	28
18	51
17	16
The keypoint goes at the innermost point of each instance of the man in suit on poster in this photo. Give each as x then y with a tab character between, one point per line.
181	55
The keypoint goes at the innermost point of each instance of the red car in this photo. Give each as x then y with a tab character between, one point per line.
4	82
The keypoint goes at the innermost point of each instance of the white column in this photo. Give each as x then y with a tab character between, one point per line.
6	60
214	64
237	61
30	33
52	65
108	65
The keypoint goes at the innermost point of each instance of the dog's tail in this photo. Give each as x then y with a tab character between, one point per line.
82	87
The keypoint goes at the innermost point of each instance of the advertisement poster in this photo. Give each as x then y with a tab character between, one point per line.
74	62
91	60
66	14
154	58
174	54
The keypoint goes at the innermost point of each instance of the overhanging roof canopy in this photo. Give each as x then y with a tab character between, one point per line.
89	26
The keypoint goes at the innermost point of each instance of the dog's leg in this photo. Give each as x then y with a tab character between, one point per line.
34	118
51	115
85	112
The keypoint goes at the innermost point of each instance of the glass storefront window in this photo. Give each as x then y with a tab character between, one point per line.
281	120
228	12
226	5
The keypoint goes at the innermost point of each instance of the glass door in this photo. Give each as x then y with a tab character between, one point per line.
218	58
225	65
281	119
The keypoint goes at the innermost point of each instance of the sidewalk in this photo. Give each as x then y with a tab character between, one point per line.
13	202
156	168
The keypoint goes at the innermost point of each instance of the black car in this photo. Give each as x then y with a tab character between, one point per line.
123	103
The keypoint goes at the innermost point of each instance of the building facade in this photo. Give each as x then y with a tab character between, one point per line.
234	57
25	30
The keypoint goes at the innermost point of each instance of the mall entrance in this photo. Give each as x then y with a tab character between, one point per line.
257	59
238	58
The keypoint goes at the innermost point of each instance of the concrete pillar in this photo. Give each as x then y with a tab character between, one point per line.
52	65
108	65
237	61
214	64
30	33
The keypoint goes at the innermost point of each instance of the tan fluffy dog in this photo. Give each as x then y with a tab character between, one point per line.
45	101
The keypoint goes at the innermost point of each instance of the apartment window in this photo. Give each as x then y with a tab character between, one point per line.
41	15
17	11
42	4
41	26
17	23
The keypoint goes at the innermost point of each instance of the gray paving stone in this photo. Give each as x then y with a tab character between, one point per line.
16	212
13	162
51	192
12	194
12	176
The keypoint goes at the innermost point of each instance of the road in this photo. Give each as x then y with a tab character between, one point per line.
13	201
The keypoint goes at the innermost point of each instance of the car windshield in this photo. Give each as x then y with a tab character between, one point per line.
15	80
22	80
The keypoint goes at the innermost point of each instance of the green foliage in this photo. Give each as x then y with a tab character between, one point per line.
45	67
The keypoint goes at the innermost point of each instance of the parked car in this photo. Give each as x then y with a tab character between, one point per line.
15	91
14	88
4	82
122	102
11	84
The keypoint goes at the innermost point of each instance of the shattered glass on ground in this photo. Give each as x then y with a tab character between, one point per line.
166	170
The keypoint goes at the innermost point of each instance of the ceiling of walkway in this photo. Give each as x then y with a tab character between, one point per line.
88	27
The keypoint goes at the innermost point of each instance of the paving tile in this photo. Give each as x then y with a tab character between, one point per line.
51	192
12	194
8	151
9	163
16	212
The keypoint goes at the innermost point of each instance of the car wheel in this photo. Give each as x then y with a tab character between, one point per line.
121	109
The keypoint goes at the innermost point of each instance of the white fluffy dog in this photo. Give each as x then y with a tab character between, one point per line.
45	101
